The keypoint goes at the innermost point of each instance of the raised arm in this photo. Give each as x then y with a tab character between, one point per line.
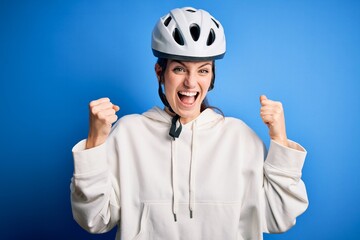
95	196
284	193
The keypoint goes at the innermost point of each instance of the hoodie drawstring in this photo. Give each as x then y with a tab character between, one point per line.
192	170
175	204
174	133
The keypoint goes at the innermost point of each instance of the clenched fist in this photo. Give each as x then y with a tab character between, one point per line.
272	114
102	116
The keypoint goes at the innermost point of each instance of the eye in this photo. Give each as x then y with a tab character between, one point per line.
204	71
178	69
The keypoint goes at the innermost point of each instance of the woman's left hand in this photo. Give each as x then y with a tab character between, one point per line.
272	114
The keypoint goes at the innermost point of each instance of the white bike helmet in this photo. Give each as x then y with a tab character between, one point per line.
188	34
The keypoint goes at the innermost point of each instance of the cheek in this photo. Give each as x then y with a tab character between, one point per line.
205	84
169	88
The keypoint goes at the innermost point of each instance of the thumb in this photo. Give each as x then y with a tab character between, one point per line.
262	98
116	107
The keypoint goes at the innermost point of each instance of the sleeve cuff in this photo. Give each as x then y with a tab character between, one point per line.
286	158
87	161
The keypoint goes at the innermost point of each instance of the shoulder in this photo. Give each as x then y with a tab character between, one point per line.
239	127
136	121
129	120
127	125
236	123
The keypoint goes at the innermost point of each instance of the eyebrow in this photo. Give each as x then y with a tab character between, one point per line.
181	63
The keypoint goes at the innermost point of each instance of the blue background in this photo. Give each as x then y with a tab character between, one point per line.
56	56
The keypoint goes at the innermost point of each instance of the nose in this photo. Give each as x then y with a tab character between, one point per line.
190	81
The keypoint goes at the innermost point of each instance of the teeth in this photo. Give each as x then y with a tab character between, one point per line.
189	94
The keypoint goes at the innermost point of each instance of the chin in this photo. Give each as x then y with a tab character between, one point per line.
188	115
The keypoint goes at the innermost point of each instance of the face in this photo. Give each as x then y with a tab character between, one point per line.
186	85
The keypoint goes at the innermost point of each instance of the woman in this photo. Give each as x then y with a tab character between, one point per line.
186	172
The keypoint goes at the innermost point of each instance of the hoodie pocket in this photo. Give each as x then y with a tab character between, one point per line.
211	221
143	234
239	237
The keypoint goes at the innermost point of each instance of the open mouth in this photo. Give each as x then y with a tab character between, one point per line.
188	98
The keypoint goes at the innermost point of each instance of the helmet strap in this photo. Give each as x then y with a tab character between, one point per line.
163	98
174	133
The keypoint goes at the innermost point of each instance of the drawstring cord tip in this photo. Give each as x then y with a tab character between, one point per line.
191	214
175	219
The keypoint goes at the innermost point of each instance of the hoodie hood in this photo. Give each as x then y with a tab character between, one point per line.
206	119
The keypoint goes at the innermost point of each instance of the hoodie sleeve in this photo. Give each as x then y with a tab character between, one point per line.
94	188
285	195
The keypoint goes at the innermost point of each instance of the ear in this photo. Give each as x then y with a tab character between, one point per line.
158	71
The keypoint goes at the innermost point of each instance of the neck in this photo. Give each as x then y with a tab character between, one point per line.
182	119
166	109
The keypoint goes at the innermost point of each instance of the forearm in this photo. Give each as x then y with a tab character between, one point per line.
94	202
285	195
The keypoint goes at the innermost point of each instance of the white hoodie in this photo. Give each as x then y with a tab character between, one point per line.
210	183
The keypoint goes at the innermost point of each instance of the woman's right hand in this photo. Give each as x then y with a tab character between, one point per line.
102	116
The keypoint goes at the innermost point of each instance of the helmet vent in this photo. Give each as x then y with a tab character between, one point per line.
167	21
195	32
216	23
211	37
190	10
177	37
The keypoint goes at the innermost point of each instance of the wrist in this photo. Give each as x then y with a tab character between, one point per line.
281	140
92	141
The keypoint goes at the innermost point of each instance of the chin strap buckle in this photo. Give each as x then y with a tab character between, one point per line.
175	133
